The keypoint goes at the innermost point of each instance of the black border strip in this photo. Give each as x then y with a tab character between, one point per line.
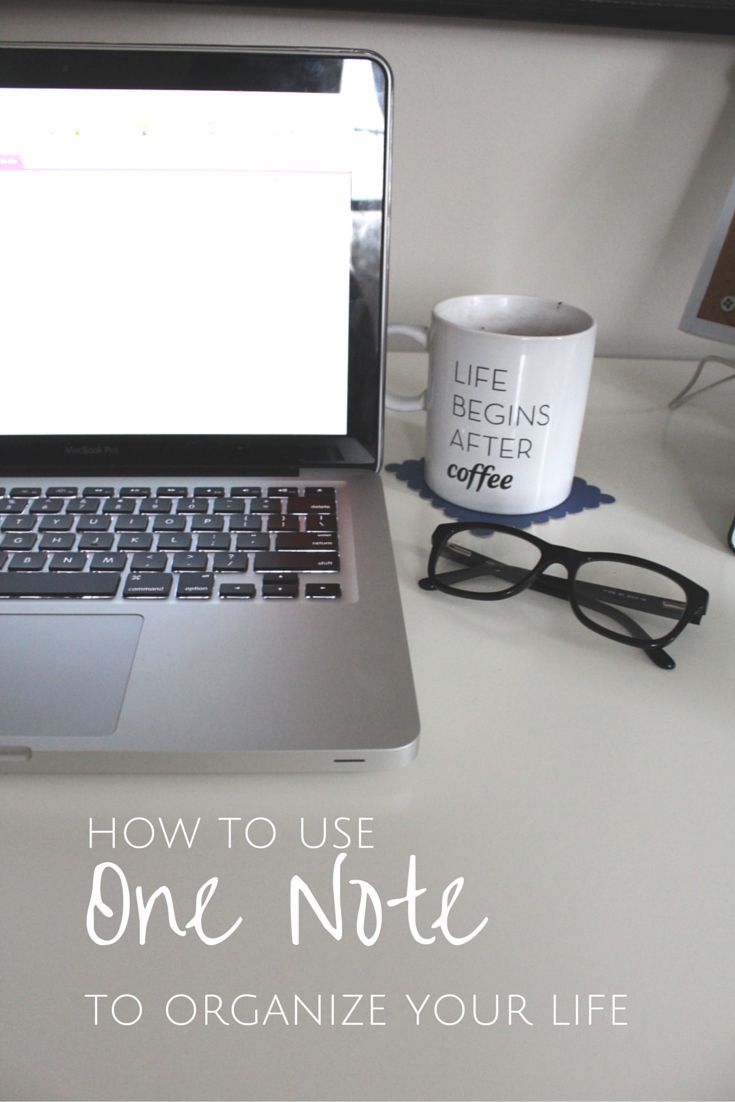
694	16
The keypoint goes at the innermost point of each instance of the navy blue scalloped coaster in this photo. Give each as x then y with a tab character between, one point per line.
583	496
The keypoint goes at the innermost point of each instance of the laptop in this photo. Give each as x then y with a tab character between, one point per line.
196	572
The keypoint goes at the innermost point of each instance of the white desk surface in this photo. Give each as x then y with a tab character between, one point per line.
587	798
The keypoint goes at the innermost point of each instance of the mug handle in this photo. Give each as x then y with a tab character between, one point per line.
415	402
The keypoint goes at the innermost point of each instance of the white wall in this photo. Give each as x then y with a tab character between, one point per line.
588	165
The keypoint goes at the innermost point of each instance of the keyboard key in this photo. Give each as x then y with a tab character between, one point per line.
74	560
246	491
155	560
18	541
31	560
135	491
169	524
96	523
196	586
98	491
135	541
209	491
62	491
62	523
46	505
192	505
223	561
132	524
297	506
155	505
172	491
281	586
143	585
24	523
281	578
174	541
283	523
114	560
280	592
214	541
283	491
306	541
242	523
83	504
57	541
298	561
252	541
265	505
12	504
58	585
243	591
118	505
189	560
319	505
320	522
207	524
96	541
26	491
229	505
321	493
323	591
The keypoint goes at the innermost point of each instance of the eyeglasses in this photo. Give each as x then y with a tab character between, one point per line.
488	562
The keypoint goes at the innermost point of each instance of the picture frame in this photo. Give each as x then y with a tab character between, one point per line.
710	309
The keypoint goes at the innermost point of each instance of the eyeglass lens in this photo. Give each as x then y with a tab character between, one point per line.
607	590
475	561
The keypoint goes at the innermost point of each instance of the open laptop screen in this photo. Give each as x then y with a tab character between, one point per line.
192	248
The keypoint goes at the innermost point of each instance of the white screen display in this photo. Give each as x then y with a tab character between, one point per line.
174	262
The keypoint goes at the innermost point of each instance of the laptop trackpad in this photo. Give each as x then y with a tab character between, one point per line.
64	675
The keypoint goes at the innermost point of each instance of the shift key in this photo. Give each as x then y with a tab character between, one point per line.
296	562
61	585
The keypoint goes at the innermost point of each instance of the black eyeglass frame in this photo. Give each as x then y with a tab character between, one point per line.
572	560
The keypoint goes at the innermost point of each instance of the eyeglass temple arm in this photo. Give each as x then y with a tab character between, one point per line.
559	587
658	656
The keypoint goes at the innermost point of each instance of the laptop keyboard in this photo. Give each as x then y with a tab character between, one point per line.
182	542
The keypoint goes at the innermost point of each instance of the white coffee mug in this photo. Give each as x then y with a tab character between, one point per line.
508	382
